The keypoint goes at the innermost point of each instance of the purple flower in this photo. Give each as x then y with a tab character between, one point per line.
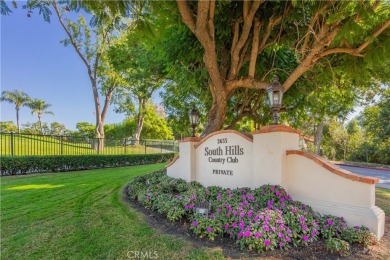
212	215
247	234
273	229
207	192
267	218
272	188
287	239
243	197
235	213
240	234
280	234
228	215
242	214
257	235
302	219
249	213
267	242
209	229
242	225
266	228
304	227
305	238
281	199
218	210
234	224
293	210
227	226
277	193
195	224
281	244
313	234
219	197
186	207
330	222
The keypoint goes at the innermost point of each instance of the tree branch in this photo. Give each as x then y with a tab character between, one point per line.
249	83
255	48
186	15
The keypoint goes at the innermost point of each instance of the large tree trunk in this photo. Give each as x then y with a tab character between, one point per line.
318	137
217	113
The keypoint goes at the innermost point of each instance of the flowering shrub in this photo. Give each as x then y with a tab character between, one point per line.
262	219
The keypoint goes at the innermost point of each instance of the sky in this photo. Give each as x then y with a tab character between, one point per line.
33	60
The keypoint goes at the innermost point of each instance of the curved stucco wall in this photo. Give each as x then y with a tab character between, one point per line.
329	193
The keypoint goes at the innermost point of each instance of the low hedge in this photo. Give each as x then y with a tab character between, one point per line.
59	163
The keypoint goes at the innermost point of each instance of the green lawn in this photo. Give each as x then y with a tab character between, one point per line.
80	215
47	145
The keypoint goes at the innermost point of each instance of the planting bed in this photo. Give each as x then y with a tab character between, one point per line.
244	221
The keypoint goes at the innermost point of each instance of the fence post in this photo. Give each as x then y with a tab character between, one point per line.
145	145
161	146
125	144
12	143
62	145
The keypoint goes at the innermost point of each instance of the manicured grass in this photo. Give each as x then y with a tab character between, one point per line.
47	145
383	200
80	215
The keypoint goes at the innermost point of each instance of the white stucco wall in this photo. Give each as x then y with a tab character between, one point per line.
269	157
329	193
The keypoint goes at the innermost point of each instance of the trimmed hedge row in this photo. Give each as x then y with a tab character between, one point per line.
39	164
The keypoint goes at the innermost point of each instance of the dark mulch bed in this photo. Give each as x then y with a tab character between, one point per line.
231	250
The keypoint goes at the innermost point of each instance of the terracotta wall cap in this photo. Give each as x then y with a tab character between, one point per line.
225	132
190	139
334	168
173	161
277	128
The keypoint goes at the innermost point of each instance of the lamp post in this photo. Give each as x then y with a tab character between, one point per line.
275	94
194	119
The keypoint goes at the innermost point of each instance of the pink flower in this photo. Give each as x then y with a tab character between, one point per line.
227	226
305	238
280	234
234	224
287	239
272	188
277	193
267	242
304	227
242	214
209	229
195	224
330	222
257	235
240	234
302	219
207	192
235	213
249	213
293	210
247	234
243	197
281	244
266	228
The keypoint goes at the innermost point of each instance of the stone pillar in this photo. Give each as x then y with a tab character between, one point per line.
186	168
270	144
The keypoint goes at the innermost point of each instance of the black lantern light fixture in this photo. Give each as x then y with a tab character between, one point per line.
275	94
194	119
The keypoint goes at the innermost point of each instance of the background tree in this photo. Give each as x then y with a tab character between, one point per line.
8	127
17	97
142	72
39	107
57	128
35	128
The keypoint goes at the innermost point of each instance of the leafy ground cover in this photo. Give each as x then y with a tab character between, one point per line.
263	219
80	215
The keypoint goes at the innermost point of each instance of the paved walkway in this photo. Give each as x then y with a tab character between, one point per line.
383	175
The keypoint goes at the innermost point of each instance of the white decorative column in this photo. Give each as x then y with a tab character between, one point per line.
270	144
185	166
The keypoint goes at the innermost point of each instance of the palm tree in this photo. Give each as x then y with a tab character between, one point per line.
17	97
39	107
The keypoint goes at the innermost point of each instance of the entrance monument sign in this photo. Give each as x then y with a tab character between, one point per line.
232	159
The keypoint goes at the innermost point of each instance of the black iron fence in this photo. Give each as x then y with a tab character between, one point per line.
13	144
